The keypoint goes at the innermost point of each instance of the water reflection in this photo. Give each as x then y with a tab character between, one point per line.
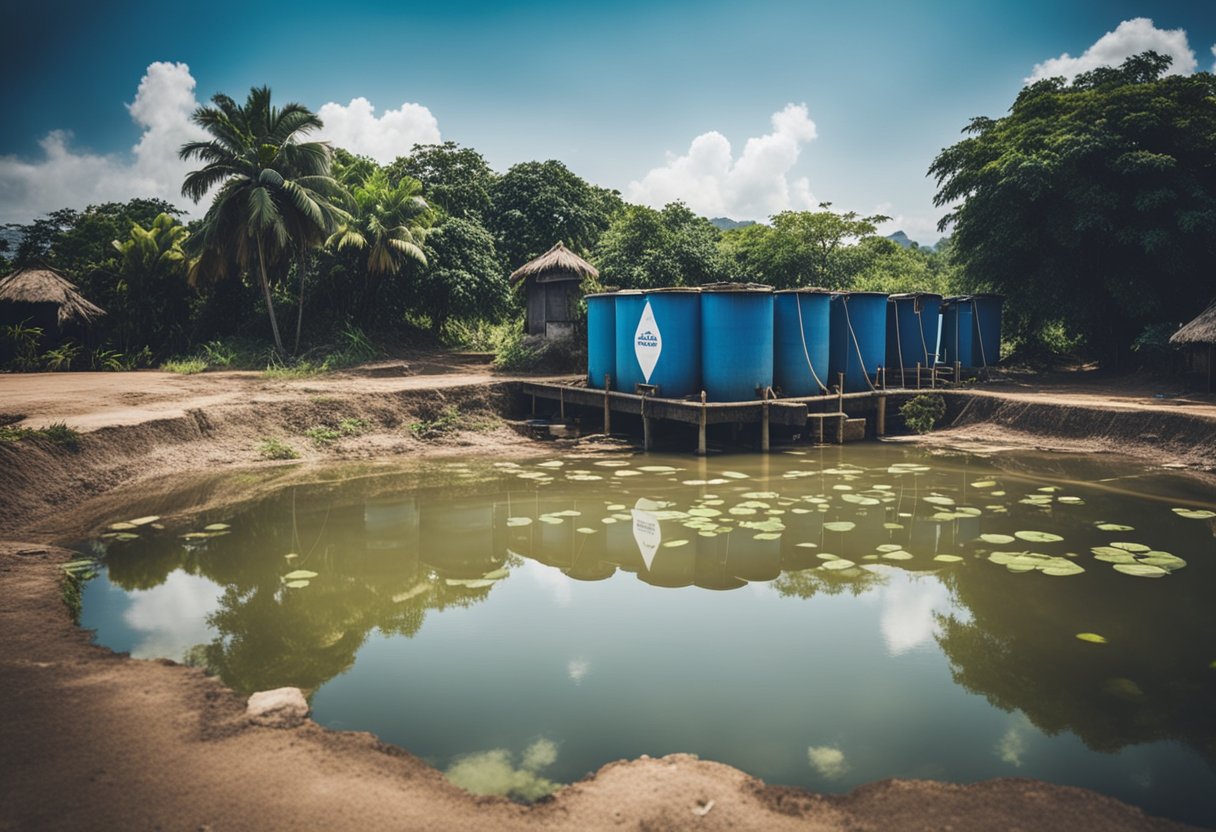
889	555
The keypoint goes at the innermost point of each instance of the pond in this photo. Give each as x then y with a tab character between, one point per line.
819	618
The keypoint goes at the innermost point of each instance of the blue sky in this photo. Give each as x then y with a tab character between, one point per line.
620	93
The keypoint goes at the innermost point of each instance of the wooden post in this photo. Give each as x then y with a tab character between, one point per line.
932	376
819	431
701	444
764	426
917	375
880	421
561	402
607	405
958	371
533	405
645	427
840	392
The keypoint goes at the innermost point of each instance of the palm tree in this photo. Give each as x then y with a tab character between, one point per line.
388	227
275	196
150	283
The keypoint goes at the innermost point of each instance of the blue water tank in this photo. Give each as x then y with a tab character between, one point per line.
986	329
913	321
736	341
601	339
858	344
658	337
801	321
956	331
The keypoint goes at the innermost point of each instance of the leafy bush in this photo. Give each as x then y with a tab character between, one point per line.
447	421
516	353
276	449
22	343
923	412
184	366
61	357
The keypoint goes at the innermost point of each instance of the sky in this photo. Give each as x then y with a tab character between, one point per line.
738	109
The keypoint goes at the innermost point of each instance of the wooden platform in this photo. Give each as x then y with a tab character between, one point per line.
822	419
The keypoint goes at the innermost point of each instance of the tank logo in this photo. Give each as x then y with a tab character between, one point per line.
647	532
647	342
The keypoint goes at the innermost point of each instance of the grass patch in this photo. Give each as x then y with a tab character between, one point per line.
277	449
58	433
448	421
923	412
323	435
184	366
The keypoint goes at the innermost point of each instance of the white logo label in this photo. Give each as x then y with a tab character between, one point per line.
646	531
647	342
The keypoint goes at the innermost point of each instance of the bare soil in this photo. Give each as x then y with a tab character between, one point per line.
90	739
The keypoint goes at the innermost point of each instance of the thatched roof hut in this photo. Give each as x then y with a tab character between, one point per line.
558	259
45	287
552	283
1198	338
1202	330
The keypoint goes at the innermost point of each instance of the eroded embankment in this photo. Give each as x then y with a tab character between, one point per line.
1180	438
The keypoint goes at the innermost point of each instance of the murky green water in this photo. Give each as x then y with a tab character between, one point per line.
820	619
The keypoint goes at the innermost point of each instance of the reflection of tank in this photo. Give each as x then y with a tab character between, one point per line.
749	559
588	563
553	543
925	536
391	525
801	528
457	536
620	548
712	567
671	567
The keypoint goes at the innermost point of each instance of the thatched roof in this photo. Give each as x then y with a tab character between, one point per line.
1202	330
45	285
557	259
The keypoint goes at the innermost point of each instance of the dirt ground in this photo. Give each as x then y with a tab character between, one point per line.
94	740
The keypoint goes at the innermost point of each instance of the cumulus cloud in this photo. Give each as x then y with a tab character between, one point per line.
172	617
828	761
1131	37
68	177
356	128
712	181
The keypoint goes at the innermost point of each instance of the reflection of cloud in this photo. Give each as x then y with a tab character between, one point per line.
577	670
492	772
1012	746
908	614
828	761
173	615
552	579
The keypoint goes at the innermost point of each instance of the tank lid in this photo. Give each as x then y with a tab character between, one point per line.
673	290
758	288
804	290
859	294
602	295
630	292
957	299
907	295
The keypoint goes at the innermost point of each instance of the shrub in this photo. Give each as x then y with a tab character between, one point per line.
322	435
923	412
61	357
275	449
185	366
447	421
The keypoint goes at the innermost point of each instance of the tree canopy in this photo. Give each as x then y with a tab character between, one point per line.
1092	204
645	248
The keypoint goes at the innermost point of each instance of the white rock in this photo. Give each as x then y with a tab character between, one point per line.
278	708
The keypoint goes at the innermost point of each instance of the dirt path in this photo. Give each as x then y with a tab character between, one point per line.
92	740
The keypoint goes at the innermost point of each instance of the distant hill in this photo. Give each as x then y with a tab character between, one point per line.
902	239
726	223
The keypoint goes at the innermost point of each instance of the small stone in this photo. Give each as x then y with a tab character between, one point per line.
278	708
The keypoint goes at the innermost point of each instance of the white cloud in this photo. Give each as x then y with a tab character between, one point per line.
711	181
356	128
66	177
1130	37
909	611
828	761
172	616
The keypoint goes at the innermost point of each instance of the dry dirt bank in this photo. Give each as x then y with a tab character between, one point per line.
92	740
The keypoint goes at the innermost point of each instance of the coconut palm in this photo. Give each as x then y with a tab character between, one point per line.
387	226
275	196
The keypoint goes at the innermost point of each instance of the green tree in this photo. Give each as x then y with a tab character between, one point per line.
644	248
465	279
387	229
274	195
536	204
150	299
456	179
800	248
1092	202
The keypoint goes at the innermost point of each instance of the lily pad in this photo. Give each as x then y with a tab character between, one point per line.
1115	527
1062	568
126	536
1188	513
983	484
1140	570
143	521
299	575
519	521
1092	638
898	555
938	500
997	538
734	475
840	526
1165	560
300	584
675	544
1109	554
947	558
1038	537
838	563
216	527
767	536
889	547
122	527
586	530
291	555
1130	547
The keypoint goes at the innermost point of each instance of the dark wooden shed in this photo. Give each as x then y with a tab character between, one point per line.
1198	339
552	284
